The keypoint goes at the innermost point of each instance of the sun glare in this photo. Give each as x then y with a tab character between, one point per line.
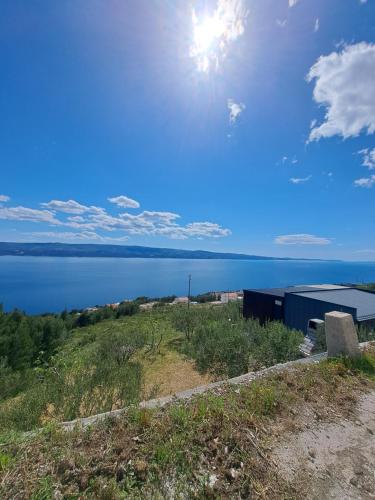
207	33
213	34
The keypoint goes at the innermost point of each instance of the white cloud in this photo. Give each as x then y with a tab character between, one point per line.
93	219
235	109
365	182
368	157
301	239
362	1
193	230
76	218
4	198
292	3
204	229
70	207
124	202
28	214
281	23
213	35
316	25
164	217
344	85
297	180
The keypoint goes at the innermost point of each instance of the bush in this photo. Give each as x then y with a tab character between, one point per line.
273	343
222	342
127	309
220	348
82	379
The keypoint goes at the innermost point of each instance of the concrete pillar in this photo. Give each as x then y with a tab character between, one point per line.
341	335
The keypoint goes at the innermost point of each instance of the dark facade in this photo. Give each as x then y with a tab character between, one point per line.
263	306
295	306
298	310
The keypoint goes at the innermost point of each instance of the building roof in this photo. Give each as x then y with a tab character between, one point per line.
361	300
280	292
328	287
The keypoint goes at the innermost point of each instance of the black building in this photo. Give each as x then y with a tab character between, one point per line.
295	306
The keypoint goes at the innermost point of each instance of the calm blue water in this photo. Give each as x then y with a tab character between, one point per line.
40	284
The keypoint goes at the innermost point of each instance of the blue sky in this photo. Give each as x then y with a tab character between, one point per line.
226	125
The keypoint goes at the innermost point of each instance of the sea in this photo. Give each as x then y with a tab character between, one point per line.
51	284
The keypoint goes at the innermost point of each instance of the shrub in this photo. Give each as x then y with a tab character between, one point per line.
226	345
82	379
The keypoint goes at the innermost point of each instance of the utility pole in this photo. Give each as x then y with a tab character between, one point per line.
189	291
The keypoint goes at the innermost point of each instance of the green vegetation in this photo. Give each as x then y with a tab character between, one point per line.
60	367
216	445
365	334
367	286
222	342
205	297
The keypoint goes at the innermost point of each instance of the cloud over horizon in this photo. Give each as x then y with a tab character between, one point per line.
92	219
301	239
70	207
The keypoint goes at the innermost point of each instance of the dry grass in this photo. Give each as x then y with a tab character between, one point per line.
169	372
215	445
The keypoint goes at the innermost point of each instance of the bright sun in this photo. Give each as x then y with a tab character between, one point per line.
213	34
207	33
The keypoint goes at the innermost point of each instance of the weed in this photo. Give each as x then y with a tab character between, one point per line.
5	461
44	490
364	364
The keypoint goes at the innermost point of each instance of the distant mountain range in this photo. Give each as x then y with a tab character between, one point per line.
119	251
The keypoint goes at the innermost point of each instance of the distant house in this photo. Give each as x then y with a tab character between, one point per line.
113	306
181	300
147	306
295	306
226	297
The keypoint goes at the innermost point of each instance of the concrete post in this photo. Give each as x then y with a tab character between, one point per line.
341	335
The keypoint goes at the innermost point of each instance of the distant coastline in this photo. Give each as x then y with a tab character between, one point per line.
122	251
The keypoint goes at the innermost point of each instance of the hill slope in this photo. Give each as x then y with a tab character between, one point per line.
123	251
228	444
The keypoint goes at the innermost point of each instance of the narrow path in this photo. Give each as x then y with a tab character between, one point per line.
333	460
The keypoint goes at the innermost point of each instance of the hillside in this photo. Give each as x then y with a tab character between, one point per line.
120	251
305	432
223	443
61	367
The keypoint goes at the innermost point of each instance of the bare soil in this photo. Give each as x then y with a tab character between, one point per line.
332	460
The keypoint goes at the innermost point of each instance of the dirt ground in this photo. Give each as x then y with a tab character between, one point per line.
333	460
